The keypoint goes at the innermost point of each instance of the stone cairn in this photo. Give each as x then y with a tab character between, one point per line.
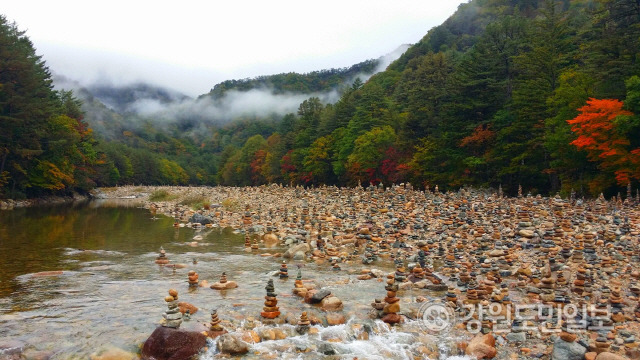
303	324
299	288
247	242
284	272
215	329
173	316
224	284
254	245
270	309
193	278
392	307
162	258
335	266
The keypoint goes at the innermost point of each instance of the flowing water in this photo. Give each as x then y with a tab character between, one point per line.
78	280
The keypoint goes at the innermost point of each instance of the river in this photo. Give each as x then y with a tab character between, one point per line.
79	280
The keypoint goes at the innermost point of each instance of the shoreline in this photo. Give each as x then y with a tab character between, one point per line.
10	204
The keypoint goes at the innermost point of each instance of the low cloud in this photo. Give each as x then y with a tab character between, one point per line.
253	103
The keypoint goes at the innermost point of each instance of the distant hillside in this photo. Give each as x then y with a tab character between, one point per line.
309	83
124	98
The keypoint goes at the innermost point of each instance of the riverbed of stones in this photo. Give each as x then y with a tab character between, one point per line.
526	276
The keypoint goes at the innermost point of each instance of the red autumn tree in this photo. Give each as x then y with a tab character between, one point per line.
599	136
481	136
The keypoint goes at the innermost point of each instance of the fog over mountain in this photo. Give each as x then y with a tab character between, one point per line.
160	105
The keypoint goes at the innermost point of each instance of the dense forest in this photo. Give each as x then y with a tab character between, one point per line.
542	94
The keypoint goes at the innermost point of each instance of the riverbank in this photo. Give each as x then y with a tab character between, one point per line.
10	204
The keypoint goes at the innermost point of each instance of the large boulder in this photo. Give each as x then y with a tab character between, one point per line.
304	247
230	344
563	350
331	303
199	218
172	344
482	347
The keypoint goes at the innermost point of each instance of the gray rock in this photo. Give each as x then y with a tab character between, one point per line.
298	255
199	218
563	350
326	349
438	287
533	289
519	337
321	294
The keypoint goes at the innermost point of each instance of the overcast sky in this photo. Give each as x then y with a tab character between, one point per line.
191	45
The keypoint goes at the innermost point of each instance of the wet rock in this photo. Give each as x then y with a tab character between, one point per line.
563	350
168	343
45	355
184	306
326	349
230	344
279	334
250	337
335	319
47	273
114	354
199	218
304	247
331	303
317	296
11	347
482	347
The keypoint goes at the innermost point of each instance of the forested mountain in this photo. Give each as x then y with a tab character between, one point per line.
45	146
313	82
484	100
538	93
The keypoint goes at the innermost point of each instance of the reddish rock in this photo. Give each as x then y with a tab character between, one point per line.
590	355
172	344
270	314
482	347
184	306
568	337
335	319
633	354
250	337
392	319
610	356
309	295
48	273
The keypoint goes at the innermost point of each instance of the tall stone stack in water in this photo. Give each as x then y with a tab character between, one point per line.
193	279
215	329
162	258
270	309
173	316
284	272
392	307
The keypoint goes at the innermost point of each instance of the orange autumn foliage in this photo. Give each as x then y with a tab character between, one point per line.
598	136
481	135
